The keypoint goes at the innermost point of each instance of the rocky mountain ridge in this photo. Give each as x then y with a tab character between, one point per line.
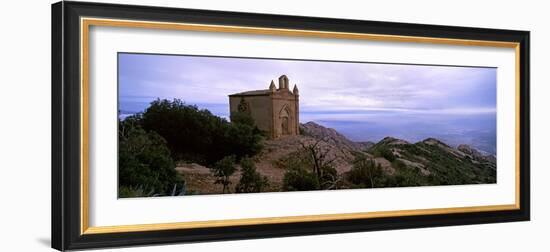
331	135
433	160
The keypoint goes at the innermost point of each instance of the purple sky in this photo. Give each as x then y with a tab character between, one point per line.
329	91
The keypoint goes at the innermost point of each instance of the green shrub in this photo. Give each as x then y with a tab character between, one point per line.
405	176
302	131
196	135
144	160
398	164
329	178
365	172
222	170
242	140
251	180
242	118
299	179
385	152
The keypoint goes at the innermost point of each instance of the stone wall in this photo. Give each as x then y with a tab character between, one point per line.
260	109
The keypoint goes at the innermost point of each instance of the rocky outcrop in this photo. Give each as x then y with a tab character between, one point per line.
392	141
328	135
475	154
365	145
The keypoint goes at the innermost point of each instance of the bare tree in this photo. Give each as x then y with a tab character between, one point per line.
319	157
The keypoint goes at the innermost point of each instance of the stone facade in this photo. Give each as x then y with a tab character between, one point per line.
275	110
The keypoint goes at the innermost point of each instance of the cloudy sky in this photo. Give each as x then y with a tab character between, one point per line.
337	93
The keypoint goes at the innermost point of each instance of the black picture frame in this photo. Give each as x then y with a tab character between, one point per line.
66	125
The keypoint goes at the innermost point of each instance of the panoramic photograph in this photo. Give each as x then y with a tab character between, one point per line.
196	125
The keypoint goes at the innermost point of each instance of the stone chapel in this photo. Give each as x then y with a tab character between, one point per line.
275	110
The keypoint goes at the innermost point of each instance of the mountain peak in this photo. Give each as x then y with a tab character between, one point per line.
434	141
312	124
393	141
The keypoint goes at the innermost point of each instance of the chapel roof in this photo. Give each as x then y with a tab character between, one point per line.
252	93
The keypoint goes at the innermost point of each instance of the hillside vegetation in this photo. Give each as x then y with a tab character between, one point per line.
178	149
170	132
432	162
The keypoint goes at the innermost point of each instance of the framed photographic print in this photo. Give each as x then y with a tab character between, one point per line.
180	125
